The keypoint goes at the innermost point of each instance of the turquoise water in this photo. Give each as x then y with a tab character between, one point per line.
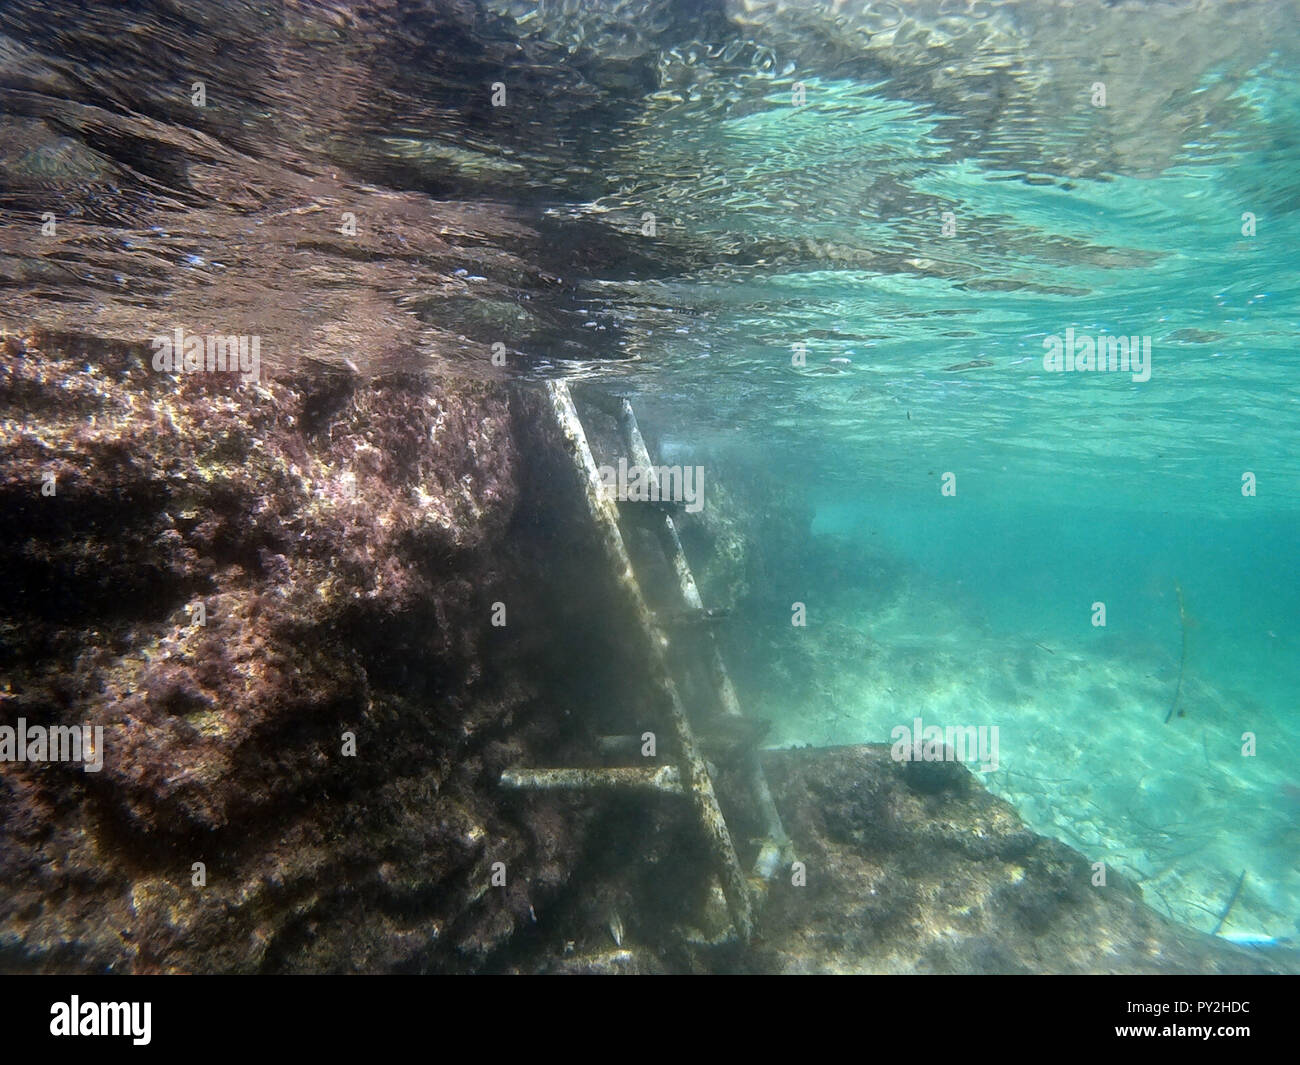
1071	489
821	246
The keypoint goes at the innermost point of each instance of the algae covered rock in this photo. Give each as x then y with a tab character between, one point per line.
274	599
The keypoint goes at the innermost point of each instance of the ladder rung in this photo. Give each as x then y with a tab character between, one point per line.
660	778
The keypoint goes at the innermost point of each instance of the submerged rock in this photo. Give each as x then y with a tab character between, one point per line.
275	599
904	876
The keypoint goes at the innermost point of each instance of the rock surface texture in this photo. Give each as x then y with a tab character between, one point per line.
345	544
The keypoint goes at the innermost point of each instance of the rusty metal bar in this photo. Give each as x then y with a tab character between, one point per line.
659	778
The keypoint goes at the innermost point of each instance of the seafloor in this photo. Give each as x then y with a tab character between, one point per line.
1082	757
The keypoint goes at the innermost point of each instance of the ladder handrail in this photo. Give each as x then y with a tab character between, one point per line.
692	769
777	849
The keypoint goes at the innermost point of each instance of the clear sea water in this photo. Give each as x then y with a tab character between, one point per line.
1071	489
800	169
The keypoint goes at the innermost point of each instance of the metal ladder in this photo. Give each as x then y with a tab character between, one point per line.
689	776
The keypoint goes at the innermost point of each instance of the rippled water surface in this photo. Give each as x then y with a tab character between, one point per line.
822	245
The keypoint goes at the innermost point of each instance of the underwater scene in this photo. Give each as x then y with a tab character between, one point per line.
650	486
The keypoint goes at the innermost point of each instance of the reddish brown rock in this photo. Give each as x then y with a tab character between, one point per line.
346	542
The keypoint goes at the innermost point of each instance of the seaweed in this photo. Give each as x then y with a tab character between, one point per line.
1232	901
1182	658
